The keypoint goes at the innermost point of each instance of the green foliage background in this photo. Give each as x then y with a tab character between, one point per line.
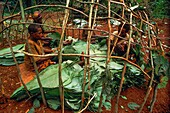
160	8
155	8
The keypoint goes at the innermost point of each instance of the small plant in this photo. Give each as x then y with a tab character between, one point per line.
160	9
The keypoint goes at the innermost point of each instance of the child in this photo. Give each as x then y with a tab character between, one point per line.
37	18
35	44
122	45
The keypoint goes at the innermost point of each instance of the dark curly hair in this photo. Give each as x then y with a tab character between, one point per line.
33	28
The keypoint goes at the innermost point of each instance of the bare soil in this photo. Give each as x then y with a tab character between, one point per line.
9	82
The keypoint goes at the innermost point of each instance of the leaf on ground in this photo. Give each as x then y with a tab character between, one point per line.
32	110
163	83
36	103
133	105
107	105
124	97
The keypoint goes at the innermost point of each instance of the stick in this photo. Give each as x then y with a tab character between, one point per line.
124	68
87	103
34	64
107	58
154	97
61	87
152	76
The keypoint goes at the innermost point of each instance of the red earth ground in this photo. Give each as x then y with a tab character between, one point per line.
9	82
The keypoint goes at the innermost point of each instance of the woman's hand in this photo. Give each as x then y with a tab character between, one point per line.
55	50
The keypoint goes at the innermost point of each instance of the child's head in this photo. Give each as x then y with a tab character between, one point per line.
125	29
35	31
37	17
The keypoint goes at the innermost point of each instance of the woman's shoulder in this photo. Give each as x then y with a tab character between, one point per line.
31	42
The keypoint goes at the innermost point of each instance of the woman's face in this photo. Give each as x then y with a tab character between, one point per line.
37	35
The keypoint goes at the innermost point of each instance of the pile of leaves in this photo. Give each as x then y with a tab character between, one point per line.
73	78
6	58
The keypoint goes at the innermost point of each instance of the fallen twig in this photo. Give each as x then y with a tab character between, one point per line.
87	103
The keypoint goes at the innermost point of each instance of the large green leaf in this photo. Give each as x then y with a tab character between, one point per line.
10	61
51	74
114	65
80	46
164	82
162	66
54	104
55	39
70	50
7	50
6	57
